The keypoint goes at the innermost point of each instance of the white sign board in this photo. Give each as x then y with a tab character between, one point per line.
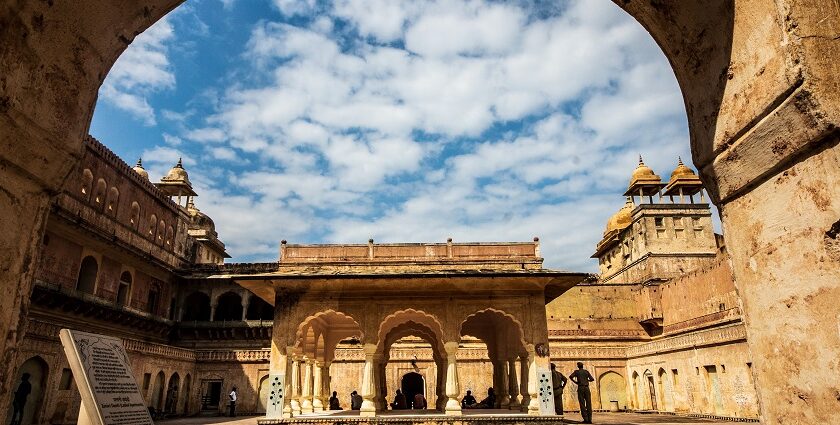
546	391
274	404
100	366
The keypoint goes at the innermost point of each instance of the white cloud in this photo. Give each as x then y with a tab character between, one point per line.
142	69
475	120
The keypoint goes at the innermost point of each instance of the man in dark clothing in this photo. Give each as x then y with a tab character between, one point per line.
334	404
355	401
20	399
399	401
489	402
468	401
558	382
582	378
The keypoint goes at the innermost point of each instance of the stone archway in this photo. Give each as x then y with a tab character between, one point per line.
759	81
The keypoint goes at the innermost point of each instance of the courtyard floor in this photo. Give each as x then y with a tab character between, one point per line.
570	418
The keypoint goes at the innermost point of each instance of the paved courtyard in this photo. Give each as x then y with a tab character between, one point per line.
572	418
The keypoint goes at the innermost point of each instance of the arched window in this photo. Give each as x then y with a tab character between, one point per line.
161	231
113	201
228	307
153	300
196	307
87	275
99	193
135	215
124	291
87	184
170	233
152	226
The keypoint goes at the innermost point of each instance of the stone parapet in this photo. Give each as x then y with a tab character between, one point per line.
716	336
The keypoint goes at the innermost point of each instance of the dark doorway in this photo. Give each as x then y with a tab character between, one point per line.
412	384
210	400
652	388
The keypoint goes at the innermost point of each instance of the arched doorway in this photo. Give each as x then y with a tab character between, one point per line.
635	383
87	275
502	335
156	400
612	387
651	386
196	307
171	404
187	391
412	383
262	402
228	307
34	372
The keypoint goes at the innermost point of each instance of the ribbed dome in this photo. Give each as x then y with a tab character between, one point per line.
643	173
140	170
177	174
681	171
621	219
199	219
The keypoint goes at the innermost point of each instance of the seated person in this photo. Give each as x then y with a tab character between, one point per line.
355	401
334	404
399	402
489	402
419	402
468	401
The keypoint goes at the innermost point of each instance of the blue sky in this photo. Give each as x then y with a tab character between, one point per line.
400	120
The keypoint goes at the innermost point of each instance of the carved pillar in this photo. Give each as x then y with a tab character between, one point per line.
294	397
317	387
523	384
306	387
326	391
213	311
533	402
380	397
500	367
453	388
244	307
513	385
369	382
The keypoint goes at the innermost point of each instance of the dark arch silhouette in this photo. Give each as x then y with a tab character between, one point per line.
87	275
258	309
196	307
229	307
412	383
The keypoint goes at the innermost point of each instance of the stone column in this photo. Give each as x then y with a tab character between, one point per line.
369	382
453	388
317	387
213	311
326	391
294	397
533	390
523	384
380	397
244	307
513	385
306	387
502	390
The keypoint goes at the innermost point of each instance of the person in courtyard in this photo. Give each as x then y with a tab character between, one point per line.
355	401
581	377
468	401
558	382
232	396
399	401
334	404
19	401
419	402
489	402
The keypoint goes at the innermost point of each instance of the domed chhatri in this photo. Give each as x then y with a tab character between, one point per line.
643	181
176	183
199	219
177	173
140	170
621	219
684	182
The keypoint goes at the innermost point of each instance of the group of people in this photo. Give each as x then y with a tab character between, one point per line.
581	377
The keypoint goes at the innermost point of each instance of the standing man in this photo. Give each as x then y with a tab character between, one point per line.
20	398
558	382
232	402
582	378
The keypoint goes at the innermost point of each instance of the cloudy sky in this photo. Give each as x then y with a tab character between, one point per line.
399	120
